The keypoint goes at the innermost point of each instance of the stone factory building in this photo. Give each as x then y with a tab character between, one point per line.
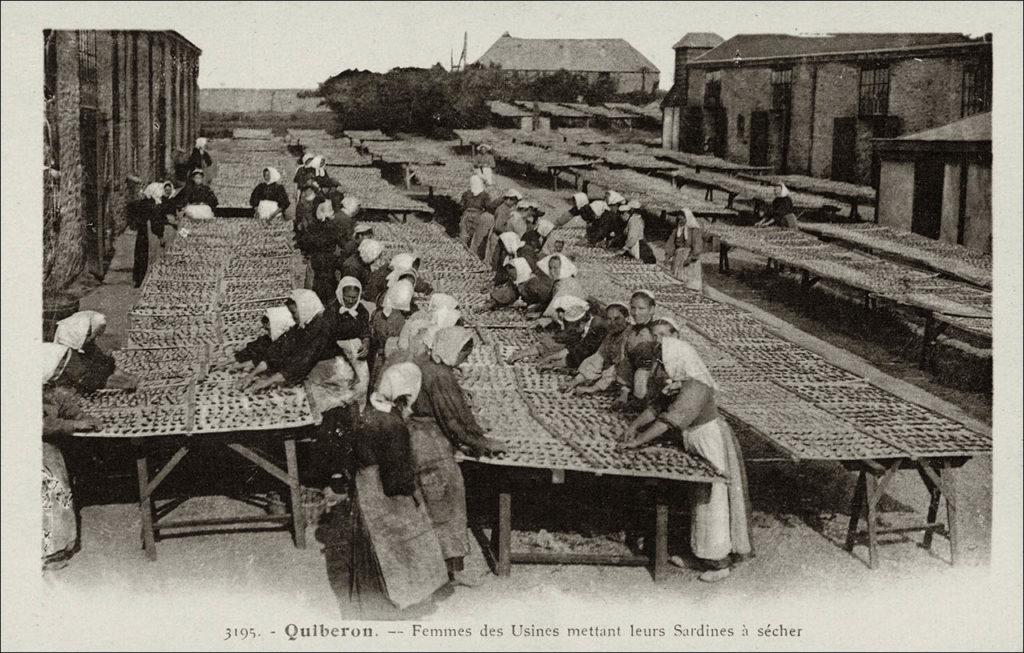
812	104
118	105
593	58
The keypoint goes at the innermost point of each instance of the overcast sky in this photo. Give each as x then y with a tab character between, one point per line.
285	45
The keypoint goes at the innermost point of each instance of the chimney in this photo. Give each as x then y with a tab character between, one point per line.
691	46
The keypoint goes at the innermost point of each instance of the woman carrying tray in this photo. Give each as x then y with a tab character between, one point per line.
680	395
331	377
443	421
396	563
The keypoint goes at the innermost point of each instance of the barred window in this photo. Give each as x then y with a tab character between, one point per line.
874	92
976	95
713	88
88	75
782	89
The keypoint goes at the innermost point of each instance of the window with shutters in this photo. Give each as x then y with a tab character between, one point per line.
976	95
874	92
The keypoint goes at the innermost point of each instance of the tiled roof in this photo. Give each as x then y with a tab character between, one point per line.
699	40
590	55
758	46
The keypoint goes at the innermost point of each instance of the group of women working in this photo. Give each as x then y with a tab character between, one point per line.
163	203
382	373
657	377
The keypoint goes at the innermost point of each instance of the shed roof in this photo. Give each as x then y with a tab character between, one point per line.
970	135
506	110
553	109
699	40
972	128
590	55
761	46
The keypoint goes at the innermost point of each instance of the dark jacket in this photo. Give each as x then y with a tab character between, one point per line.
442	398
313	343
195	194
319	241
274	192
199	160
581	348
346	327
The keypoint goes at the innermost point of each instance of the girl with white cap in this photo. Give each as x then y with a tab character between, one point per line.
62	417
443	422
200	158
574	336
534	289
142	213
396	563
683	248
475	202
330	377
483	163
634	244
680	395
319	243
562	271
363	262
502	213
781	212
386	324
89	368
268	350
269	190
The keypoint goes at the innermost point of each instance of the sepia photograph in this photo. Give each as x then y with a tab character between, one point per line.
512	326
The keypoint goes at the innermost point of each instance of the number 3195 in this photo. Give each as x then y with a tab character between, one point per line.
239	633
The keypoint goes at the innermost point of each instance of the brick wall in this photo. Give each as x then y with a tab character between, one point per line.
63	253
923	93
744	90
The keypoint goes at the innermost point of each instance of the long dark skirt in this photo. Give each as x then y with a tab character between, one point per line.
330	451
141	265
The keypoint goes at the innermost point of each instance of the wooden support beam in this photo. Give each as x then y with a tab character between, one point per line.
162	474
145	503
295	490
504	533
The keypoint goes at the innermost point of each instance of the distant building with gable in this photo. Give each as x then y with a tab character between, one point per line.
593	58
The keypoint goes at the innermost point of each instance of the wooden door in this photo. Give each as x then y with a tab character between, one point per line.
844	150
759	138
928	186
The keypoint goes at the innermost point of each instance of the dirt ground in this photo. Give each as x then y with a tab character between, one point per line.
801	512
